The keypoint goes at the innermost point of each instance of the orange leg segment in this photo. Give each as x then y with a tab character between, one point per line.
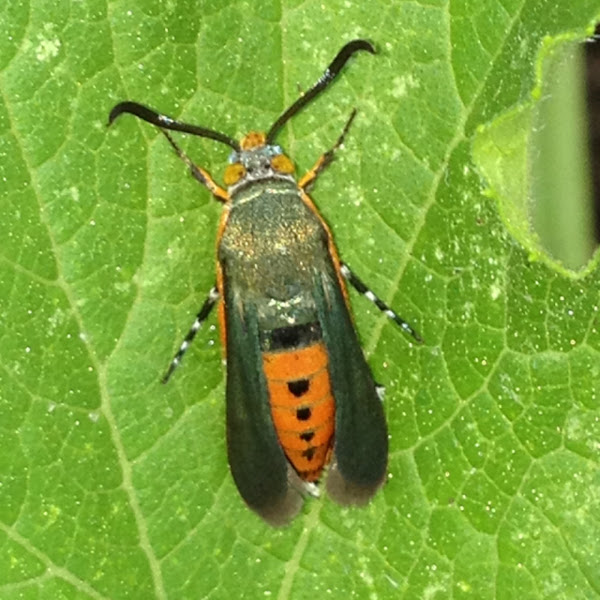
199	173
325	159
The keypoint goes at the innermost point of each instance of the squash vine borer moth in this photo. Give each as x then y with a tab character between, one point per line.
300	395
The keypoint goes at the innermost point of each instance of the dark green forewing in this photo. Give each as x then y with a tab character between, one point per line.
258	464
361	444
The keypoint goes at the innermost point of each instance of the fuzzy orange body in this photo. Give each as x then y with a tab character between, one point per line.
302	406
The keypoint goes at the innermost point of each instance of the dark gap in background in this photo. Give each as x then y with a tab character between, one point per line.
592	61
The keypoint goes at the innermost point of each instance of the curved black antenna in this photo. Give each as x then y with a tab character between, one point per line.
328	76
165	122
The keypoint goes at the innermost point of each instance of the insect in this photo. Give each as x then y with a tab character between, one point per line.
299	395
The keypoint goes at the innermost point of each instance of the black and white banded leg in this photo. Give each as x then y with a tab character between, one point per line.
210	301
361	288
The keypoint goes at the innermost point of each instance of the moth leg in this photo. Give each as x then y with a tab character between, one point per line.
304	488
361	288
199	173
325	159
210	301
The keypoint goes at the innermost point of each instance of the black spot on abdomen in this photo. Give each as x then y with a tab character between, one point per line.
303	414
299	387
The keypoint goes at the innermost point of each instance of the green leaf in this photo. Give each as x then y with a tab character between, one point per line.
114	486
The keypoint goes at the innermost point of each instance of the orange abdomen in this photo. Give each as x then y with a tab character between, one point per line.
302	406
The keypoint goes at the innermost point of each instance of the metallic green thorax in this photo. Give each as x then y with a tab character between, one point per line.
272	246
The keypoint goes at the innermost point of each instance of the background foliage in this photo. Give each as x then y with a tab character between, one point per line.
113	486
